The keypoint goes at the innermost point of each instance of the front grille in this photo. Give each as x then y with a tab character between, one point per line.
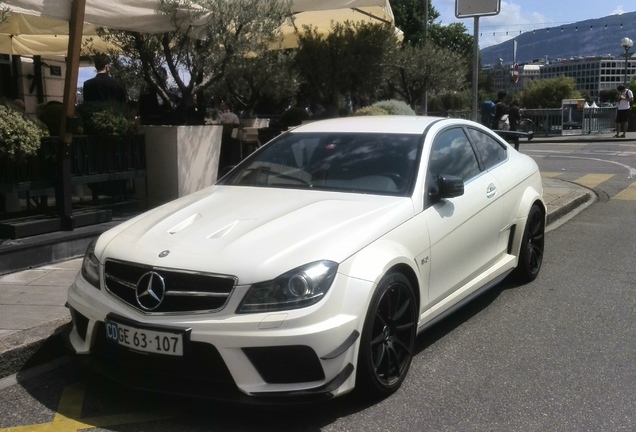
184	291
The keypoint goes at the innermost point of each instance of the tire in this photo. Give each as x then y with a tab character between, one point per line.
531	251
388	338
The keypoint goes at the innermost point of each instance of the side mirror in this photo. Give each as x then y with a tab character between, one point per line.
450	186
445	186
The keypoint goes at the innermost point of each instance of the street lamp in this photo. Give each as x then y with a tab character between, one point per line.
627	43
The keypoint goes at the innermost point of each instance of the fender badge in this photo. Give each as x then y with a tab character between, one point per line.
164	254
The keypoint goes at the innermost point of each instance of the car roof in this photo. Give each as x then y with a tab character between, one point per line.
371	124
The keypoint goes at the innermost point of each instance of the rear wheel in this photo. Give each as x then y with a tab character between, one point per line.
531	253
388	338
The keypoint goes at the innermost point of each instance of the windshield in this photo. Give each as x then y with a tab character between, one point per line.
371	163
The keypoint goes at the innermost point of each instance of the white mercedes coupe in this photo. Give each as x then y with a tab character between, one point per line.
311	267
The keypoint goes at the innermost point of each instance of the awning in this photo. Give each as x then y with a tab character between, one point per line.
33	35
39	27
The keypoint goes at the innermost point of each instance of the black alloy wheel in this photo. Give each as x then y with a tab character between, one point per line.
388	338
531	252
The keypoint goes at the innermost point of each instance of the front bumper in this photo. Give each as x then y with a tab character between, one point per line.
302	355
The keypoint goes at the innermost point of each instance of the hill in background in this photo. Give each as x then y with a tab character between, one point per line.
594	37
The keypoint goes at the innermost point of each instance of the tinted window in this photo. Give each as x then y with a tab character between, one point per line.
452	154
490	150
352	162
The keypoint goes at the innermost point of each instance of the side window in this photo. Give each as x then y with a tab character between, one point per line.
490	151
452	154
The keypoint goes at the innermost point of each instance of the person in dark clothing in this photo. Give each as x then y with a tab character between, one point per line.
500	109
103	87
514	116
487	112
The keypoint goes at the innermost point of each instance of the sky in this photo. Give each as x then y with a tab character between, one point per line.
527	15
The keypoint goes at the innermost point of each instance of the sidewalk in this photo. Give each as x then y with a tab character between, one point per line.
33	316
593	137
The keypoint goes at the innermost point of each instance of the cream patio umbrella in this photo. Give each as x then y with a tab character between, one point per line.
135	15
41	27
33	35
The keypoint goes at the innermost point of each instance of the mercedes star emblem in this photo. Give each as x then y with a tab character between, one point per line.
150	291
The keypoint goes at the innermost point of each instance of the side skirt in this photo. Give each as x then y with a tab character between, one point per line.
461	303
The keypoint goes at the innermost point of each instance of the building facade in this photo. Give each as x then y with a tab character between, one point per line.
592	74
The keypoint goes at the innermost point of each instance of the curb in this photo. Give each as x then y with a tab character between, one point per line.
21	254
557	139
567	205
32	347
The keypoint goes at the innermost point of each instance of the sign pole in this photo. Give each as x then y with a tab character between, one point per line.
475	67
475	9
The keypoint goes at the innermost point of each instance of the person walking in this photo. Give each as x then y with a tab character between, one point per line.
501	109
514	116
625	100
103	87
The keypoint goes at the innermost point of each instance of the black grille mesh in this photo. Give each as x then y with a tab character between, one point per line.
185	292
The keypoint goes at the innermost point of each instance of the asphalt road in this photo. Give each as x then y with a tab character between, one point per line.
556	354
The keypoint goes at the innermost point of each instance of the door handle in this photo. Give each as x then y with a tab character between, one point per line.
491	191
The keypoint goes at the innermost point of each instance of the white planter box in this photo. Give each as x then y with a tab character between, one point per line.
180	160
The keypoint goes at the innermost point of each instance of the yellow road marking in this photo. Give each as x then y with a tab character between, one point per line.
593	180
550	174
628	194
69	415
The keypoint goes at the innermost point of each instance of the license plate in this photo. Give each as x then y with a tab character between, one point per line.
151	341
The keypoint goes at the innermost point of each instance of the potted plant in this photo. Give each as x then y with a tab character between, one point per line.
19	136
19	139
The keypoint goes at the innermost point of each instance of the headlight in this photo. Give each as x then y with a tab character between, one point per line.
295	289
90	265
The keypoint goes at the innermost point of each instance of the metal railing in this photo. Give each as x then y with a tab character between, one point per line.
550	121
95	160
597	120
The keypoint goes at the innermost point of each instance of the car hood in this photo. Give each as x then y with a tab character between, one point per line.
254	233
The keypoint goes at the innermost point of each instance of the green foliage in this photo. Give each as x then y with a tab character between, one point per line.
548	93
19	136
453	37
103	118
354	58
409	17
371	110
395	107
224	30
450	101
426	68
250	80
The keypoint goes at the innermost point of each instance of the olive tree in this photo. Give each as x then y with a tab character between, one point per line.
548	93
250	80
353	59
181	64
426	68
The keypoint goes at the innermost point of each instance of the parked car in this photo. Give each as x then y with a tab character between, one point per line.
311	267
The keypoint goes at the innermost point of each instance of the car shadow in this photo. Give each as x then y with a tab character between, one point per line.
105	397
448	324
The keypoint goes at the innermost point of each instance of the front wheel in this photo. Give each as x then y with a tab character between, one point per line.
388	338
531	253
